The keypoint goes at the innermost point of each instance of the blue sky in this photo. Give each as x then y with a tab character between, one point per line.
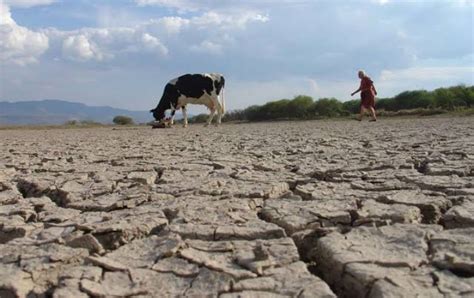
122	52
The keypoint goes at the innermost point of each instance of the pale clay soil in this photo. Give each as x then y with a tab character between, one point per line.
285	209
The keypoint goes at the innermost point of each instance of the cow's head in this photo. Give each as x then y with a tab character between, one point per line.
158	114
168	101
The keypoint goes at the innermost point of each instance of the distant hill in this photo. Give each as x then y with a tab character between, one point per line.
60	111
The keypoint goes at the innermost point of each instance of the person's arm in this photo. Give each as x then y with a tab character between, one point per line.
355	91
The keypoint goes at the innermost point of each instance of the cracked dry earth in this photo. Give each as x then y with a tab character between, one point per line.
303	209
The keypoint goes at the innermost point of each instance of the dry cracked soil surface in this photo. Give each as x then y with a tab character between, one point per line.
301	209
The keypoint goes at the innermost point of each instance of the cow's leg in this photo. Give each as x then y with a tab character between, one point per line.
219	110
211	116
185	117
173	112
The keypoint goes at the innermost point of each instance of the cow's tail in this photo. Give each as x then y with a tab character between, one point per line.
222	102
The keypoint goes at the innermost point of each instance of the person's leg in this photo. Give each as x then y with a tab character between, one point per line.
361	114
372	111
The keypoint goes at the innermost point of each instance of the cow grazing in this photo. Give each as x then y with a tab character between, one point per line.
203	89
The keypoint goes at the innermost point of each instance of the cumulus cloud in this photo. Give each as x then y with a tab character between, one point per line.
5	15
212	20
18	44
231	14
170	25
153	44
80	48
200	31
93	44
21	45
228	21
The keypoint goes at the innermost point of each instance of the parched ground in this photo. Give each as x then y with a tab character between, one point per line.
300	209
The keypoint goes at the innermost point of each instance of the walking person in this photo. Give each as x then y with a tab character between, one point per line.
367	95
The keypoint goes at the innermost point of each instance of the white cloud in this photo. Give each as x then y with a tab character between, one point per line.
231	14
228	21
212	21
27	3
18	44
5	15
93	44
171	25
79	48
208	47
153	44
21	45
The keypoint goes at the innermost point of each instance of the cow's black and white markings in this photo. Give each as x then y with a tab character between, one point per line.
203	89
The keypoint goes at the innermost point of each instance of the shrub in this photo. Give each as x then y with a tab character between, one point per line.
236	115
417	102
201	118
122	120
82	123
328	107
299	107
90	123
71	123
351	106
275	110
413	99
388	104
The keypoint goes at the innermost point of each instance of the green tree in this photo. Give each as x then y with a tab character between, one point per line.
351	106
275	110
444	98
387	104
470	96
122	120
299	107
412	100
236	115
462	96
328	107
254	113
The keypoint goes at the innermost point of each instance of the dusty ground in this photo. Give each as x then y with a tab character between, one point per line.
303	209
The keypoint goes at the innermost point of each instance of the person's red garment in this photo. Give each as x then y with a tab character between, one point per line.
367	94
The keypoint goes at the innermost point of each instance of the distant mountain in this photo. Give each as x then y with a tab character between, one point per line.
60	111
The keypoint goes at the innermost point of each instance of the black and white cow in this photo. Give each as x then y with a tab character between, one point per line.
203	89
